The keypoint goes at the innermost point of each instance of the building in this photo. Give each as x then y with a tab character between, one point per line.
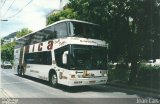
62	3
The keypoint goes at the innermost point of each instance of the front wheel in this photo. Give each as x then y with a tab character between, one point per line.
20	71
53	80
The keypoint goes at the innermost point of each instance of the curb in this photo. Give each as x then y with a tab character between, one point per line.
134	87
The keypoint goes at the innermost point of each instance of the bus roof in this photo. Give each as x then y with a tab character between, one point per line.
65	20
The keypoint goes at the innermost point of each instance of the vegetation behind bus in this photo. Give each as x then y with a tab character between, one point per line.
147	75
7	51
23	32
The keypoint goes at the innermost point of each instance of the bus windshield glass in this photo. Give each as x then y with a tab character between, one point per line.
88	57
85	30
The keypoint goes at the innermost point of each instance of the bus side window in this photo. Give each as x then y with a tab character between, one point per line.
29	58
53	35
43	58
46	58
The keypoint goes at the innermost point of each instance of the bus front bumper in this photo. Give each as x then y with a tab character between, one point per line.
86	81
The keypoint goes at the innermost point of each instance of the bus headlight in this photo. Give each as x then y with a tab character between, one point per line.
73	76
105	75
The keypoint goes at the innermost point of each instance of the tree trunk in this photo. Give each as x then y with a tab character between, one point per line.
133	74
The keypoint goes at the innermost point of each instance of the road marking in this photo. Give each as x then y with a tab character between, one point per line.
6	94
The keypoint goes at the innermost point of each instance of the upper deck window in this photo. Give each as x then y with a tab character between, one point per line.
61	30
85	30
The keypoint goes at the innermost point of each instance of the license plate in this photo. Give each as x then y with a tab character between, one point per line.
92	81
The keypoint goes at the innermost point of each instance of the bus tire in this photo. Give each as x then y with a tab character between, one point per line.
22	72
18	70
53	79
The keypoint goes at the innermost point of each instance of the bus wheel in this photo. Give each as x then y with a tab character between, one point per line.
18	71
53	80
22	72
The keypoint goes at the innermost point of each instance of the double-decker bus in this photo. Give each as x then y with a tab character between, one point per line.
68	52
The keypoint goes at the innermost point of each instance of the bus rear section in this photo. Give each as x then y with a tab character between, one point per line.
18	59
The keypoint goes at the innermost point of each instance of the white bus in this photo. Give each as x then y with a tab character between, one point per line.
67	52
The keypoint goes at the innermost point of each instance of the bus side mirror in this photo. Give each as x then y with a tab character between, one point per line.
64	57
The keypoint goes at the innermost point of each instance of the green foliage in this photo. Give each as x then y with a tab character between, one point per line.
2	40
7	51
65	14
149	76
23	32
119	72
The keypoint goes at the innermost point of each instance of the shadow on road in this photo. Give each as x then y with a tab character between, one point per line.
95	88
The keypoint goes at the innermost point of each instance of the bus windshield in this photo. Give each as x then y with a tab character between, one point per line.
88	57
85	30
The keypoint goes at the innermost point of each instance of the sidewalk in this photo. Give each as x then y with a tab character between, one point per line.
123	85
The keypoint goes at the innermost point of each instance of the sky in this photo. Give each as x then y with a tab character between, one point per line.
32	16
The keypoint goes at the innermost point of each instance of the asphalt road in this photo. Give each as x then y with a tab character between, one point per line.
29	90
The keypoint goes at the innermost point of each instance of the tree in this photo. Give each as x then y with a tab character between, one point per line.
65	14
145	30
7	51
23	32
2	40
